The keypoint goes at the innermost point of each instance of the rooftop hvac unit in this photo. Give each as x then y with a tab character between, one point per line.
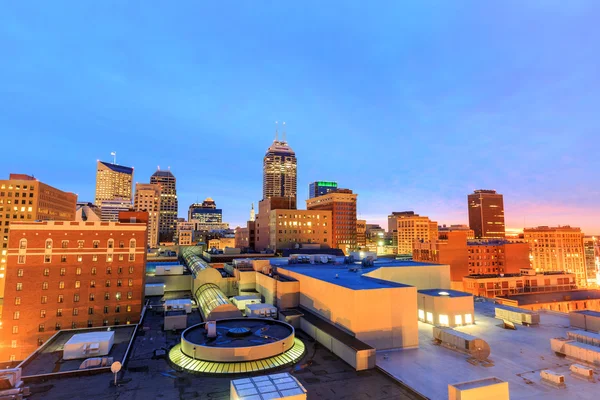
477	348
211	329
582	371
553	378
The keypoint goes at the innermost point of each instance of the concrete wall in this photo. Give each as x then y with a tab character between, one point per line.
288	294
247	280
172	282
267	287
383	318
422	277
446	305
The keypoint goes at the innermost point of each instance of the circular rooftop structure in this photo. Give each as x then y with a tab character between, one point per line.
237	345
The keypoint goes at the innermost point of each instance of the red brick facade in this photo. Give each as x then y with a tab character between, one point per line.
64	275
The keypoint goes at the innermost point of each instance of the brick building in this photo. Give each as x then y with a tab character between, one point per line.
64	275
342	204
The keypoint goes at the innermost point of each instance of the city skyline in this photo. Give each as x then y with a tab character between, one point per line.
410	116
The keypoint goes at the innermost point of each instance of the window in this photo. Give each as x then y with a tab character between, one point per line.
41	328
44	299
47	272
105	322
76	311
19	287
80	244
63	271
121	244
119	283
15	330
468	319
95	257
20	272
105	309
109	258
90	323
131	269
42	313
65	244
59	312
422	315
120	257
13	344
78	271
76	297
60	298
108	270
40	342
95	244
120	270
17	301
92	296
90	310
16	315
107	283
118	309
130	283
117	321
129	308
118	296
430	318
92	284
443	320
61	285
111	243
49	243
21	260
79	258
45	286
77	284
94	271
106	296
23	244
73	325
132	257
132	244
47	259
57	326
129	295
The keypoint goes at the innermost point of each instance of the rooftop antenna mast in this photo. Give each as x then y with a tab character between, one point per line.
283	132
276	132
114	154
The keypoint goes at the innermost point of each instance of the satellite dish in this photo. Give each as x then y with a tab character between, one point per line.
115	367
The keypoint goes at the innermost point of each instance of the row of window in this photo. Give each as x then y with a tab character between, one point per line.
63	271
76	297
81	244
63	258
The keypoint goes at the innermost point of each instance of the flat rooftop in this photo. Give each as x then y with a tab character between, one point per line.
340	275
48	359
444	293
240	332
551	297
587	312
477	383
518	356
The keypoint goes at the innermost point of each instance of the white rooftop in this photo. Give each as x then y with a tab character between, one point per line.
276	386
518	357
82	338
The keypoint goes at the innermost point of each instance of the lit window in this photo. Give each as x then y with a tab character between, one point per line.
468	319
21	260
430	318
13	344
17	301
20	272
16	315
443	320
421	314
15	330
77	284
457	320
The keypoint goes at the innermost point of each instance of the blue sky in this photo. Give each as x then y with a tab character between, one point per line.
411	104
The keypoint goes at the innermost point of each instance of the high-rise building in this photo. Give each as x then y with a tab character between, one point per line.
279	172
113	182
591	247
64	275
557	249
361	232
321	188
24	198
342	204
486	214
406	227
205	213
147	198
168	204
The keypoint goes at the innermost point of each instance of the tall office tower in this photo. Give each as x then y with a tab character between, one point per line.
147	198
279	172
113	182
486	214
411	227
557	249
320	188
591	247
168	205
24	198
64	275
205	213
342	204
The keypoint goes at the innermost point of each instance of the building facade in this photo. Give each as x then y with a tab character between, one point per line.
557	249
342	204
492	285
591	248
64	275
361	233
414	228
113	182
205	212
486	214
443	229
167	215
147	198
320	188
280	172
110	209
24	198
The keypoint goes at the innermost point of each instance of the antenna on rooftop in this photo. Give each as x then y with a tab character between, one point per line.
114	154
276	132
283	132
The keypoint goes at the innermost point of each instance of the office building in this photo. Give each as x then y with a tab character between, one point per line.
486	214
281	228
113	182
591	248
110	209
168	205
342	204
361	233
205	212
64	275
147	198
557	249
279	172
443	229
24	198
320	188
408	227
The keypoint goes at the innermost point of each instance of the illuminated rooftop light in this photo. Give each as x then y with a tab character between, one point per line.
444	294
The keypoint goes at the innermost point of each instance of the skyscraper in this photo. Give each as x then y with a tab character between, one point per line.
320	188
486	214
279	171
147	198
205	213
113	182
168	204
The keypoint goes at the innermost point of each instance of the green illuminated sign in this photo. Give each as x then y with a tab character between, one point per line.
330	184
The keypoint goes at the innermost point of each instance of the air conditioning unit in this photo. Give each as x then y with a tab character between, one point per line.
582	371
553	378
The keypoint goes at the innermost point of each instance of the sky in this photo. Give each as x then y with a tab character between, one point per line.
411	104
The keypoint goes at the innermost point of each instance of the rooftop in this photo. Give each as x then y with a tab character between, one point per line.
240	332
518	356
588	312
444	293
535	298
117	168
